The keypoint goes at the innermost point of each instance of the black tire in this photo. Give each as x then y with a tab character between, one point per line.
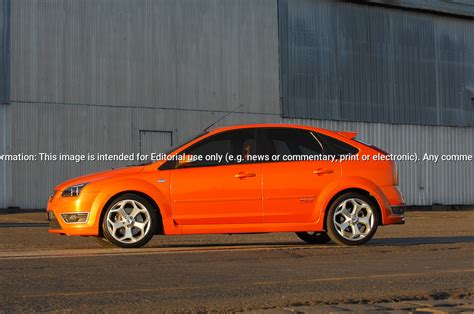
137	237
335	224
314	237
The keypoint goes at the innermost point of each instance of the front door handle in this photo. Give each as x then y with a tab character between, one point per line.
322	171
243	175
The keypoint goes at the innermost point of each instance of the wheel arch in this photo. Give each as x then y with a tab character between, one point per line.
160	228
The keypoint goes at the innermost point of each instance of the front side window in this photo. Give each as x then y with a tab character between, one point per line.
229	147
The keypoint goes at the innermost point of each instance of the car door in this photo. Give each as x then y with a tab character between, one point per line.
210	191
291	188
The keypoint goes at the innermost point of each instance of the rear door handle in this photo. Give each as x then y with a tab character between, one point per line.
322	171
243	175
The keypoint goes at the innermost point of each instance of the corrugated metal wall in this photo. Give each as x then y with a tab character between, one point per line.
422	183
206	55
457	7
88	76
356	62
4	51
4	178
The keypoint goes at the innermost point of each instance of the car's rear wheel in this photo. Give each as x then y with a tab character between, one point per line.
130	221
352	219
317	237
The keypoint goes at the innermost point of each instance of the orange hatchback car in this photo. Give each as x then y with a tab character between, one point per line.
321	184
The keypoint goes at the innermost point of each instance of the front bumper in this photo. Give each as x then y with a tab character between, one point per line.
86	202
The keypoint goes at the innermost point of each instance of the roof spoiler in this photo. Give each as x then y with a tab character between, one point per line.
350	135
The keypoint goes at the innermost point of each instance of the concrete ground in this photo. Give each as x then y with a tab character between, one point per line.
426	265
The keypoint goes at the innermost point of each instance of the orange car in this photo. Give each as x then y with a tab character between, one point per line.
321	184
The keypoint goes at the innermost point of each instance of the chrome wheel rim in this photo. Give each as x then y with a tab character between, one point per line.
353	219
128	221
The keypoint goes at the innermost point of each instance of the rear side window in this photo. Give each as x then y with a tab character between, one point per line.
285	141
336	147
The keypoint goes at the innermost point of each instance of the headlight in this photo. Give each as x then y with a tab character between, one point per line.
74	190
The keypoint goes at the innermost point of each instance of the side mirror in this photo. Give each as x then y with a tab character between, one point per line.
186	161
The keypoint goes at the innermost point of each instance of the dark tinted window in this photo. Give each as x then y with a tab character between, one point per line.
287	141
336	147
240	144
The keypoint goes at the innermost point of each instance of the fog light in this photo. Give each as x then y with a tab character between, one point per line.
75	218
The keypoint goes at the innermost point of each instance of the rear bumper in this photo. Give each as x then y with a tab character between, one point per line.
392	205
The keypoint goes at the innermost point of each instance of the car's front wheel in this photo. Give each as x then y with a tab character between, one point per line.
130	221
352	219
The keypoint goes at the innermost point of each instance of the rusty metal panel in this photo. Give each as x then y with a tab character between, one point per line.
355	62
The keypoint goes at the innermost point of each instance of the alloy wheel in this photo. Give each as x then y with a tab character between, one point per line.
353	219
128	221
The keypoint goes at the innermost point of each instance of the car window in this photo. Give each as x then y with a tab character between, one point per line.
337	147
286	141
215	150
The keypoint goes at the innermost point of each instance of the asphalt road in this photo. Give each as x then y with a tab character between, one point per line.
426	263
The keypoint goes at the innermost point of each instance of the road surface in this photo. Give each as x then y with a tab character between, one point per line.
427	263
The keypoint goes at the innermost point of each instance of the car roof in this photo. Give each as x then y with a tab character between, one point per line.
266	125
344	134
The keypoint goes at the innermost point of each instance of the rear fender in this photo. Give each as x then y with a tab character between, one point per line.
351	183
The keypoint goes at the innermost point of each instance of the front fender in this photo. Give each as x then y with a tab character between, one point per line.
161	198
